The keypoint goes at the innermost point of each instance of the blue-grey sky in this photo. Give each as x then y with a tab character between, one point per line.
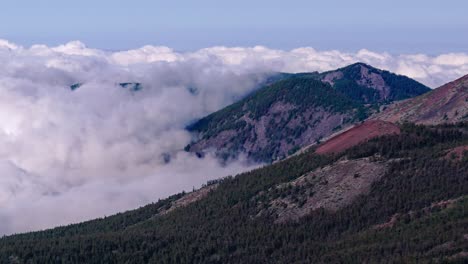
397	26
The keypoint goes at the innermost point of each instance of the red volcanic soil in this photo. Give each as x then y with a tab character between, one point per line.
358	134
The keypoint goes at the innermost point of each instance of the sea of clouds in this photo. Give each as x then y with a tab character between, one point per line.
67	156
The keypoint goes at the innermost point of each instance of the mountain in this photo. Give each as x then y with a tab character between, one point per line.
298	110
446	104
132	86
367	84
398	198
276	120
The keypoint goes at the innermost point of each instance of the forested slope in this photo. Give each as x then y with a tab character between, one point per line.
416	211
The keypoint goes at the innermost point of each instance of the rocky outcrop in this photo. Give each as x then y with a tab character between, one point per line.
331	188
188	198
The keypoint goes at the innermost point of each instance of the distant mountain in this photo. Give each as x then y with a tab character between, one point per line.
367	84
276	120
297	110
446	104
75	86
398	198
132	86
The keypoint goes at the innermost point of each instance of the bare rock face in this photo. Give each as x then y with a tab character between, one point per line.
446	104
374	80
188	198
331	77
331	188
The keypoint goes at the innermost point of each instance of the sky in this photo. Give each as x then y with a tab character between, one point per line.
398	26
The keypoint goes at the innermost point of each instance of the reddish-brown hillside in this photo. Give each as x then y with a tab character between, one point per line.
446	104
358	134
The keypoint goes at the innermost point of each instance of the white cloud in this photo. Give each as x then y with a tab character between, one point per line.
146	54
430	70
67	156
5	44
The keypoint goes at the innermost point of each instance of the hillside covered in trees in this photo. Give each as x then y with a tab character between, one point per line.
413	208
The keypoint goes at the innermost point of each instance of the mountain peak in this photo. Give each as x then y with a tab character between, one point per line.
368	84
360	64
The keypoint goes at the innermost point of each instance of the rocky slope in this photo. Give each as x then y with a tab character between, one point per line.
446	104
331	188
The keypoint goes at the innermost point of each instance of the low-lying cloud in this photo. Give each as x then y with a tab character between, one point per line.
67	156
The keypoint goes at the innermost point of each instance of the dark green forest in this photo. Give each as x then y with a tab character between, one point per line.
224	227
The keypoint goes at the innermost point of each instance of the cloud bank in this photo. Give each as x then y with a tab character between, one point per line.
68	156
